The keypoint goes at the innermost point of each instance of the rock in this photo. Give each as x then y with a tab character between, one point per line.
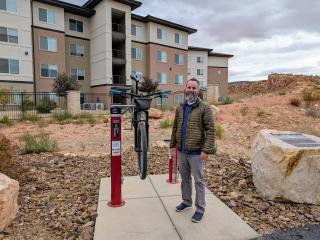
9	191
263	206
86	231
233	195
242	184
282	171
155	113
215	109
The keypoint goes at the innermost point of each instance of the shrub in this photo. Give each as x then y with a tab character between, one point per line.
166	124
64	83
312	111
282	92
5	153
311	94
27	105
33	117
148	85
226	100
295	101
37	144
219	130
61	116
6	120
260	112
244	110
46	105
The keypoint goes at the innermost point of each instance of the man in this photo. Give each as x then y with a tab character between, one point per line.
194	133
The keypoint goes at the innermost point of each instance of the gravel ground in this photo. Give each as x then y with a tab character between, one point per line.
59	194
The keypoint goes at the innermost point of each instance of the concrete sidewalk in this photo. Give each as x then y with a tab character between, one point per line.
149	213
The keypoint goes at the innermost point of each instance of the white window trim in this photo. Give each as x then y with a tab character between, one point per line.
159	61
164	101
84	74
53	24
9	73
76	50
7	42
49	70
201	57
202	71
161	83
137	59
175	80
180	37
180	55
178	96
47	50
10	12
162	39
141	33
76	25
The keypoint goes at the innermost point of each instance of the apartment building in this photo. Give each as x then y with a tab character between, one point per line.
16	67
99	44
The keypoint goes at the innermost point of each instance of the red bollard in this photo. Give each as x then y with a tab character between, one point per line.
116	200
173	169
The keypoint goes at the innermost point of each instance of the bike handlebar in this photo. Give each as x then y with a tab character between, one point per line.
162	92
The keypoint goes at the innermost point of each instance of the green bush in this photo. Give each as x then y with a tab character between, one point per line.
219	130
46	105
312	111
311	94
37	144
6	120
5	153
27	105
260	112
166	124
226	100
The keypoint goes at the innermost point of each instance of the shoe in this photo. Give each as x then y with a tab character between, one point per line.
182	207
197	216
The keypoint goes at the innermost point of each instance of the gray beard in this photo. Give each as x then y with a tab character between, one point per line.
191	97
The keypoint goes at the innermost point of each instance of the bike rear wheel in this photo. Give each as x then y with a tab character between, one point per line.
143	150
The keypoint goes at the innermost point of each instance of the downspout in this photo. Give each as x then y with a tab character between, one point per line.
33	53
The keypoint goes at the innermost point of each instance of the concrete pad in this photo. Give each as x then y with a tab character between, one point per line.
139	219
146	215
132	187
219	221
166	189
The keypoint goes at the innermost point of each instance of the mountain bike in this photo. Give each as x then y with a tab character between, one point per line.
140	120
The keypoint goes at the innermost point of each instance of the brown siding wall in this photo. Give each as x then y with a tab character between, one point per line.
79	62
46	57
169	67
214	78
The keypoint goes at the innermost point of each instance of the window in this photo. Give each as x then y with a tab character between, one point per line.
199	71
47	16
136	53
47	70
162	34
77	74
48	44
75	25
8	5
162	56
201	84
162	78
178	79
177	99
9	66
162	101
178	38
189	71
136	30
200	60
178	59
76	50
8	35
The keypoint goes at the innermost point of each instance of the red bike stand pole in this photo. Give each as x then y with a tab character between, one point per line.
173	169
116	200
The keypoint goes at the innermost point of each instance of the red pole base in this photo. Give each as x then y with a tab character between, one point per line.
110	204
172	181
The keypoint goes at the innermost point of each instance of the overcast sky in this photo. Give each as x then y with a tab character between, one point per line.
265	36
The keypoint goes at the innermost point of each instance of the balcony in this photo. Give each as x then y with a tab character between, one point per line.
119	80
118	32
118	57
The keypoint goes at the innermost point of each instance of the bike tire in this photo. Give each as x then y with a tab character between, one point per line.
143	153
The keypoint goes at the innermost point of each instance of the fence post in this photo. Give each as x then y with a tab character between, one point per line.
22	103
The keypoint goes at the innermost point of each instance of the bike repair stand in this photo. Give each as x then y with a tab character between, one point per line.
116	200
173	169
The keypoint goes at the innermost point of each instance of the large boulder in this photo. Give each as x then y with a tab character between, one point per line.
9	190
155	113
286	166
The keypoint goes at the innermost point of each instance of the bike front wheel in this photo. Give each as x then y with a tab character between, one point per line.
142	150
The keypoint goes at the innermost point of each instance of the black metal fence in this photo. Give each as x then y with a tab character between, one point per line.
17	105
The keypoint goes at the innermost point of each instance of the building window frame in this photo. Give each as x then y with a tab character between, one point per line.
50	68
162	78
179	59
178	99
162	34
77	25
8	6
200	71
79	76
200	59
136	53
178	38
178	79
136	30
55	49
162	56
13	66
8	35
48	13
79	50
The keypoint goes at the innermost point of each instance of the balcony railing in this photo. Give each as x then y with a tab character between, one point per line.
116	27
119	79
118	53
